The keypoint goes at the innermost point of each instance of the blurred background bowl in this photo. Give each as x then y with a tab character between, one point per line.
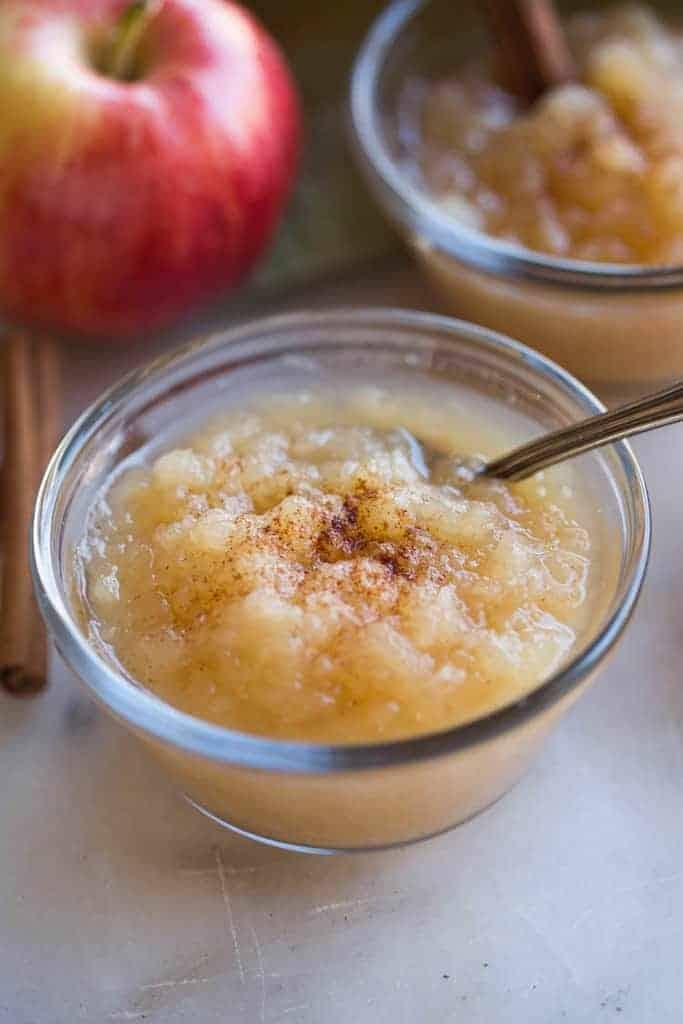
613	325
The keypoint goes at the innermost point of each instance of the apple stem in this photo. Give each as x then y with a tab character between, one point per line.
127	36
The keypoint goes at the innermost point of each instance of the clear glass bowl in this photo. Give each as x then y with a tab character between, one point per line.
617	326
311	796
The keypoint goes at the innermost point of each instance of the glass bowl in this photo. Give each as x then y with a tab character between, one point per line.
618	326
312	796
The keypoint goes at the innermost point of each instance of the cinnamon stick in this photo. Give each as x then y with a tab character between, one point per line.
30	421
531	50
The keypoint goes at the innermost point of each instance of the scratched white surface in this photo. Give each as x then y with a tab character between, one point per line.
562	903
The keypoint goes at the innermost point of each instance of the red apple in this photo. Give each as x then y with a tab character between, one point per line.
146	153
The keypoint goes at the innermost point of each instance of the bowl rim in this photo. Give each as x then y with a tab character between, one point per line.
148	714
427	224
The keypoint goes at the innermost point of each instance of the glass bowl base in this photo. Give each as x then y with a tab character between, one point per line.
282	844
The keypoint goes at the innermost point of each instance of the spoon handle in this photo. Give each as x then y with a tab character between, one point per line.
644	414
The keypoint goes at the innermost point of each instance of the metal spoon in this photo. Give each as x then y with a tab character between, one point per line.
634	418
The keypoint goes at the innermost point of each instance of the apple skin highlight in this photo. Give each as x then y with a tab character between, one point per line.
124	203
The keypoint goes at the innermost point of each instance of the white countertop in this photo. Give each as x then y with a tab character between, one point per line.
564	902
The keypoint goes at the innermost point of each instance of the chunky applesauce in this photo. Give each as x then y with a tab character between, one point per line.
296	568
593	170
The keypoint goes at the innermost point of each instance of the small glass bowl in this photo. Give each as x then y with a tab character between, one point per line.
311	796
618	326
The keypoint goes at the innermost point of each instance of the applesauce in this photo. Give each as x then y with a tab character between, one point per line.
294	568
526	246
592	171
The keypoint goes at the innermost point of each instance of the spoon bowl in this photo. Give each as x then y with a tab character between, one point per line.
646	413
